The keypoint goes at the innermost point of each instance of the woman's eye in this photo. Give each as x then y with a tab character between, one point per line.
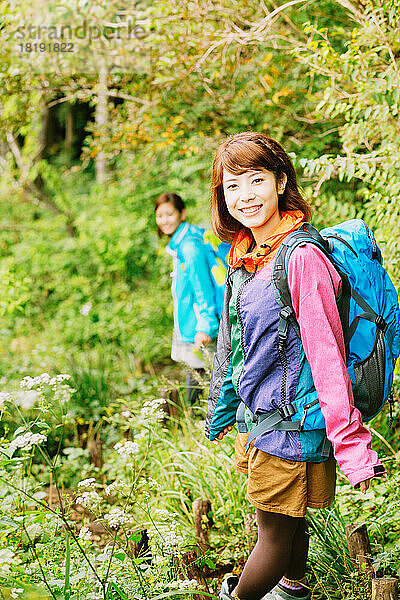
257	179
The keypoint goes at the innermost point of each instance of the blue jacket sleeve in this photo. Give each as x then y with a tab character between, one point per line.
196	263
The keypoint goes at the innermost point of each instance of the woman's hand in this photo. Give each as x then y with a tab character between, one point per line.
201	340
364	485
221	435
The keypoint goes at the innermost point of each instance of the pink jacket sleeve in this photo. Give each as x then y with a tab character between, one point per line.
314	286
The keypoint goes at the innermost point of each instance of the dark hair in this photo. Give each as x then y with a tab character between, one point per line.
171	198
239	153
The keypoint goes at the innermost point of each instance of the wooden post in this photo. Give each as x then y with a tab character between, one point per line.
250	529
171	397
187	563
202	522
384	588
139	548
95	448
358	543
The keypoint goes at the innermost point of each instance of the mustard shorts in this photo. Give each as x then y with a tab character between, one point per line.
284	486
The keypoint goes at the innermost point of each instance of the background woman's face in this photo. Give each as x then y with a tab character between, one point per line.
168	218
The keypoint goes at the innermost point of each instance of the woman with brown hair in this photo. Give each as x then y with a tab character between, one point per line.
256	204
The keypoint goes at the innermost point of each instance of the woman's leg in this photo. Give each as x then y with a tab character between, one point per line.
298	560
281	548
193	389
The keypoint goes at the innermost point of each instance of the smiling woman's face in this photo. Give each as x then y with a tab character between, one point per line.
252	199
168	218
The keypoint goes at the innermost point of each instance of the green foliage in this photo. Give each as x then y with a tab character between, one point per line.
361	95
84	282
154	467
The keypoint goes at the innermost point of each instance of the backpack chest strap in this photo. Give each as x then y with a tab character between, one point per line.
272	420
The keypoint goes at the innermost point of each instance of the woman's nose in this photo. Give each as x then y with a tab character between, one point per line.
246	194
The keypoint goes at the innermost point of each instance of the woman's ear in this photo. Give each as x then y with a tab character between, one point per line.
183	215
282	183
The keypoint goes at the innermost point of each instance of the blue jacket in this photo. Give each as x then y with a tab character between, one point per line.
198	279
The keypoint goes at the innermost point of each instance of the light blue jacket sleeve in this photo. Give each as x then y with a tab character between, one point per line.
198	269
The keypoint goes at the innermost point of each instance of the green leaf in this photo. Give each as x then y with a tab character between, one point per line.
120	555
120	592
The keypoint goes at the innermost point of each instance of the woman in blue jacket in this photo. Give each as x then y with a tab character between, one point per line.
198	279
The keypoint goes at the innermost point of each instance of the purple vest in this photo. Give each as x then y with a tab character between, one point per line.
259	376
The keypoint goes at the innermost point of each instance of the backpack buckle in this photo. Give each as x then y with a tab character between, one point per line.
380	322
283	326
286	312
288	410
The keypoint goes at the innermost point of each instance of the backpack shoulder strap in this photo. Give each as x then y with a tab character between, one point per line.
304	235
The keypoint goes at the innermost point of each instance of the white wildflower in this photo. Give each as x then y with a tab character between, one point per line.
117	486
152	484
127	448
166	533
85	534
151	407
89	500
85	309
174	585
152	410
160	560
15	592
7	558
85	483
116	517
186	584
27	399
4	397
28	382
126	414
146	496
161	514
62	377
27	440
171	537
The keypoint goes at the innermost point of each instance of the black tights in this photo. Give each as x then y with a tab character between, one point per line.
193	389
281	549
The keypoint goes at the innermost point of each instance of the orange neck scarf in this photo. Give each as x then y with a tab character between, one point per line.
256	259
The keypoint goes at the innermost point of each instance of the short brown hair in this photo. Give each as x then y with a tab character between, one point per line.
171	198
239	153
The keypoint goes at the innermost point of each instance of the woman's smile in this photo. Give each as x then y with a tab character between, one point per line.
250	210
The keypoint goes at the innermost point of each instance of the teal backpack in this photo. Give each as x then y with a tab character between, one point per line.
368	307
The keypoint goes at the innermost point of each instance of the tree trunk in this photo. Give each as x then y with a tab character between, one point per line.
359	546
101	121
69	130
95	448
202	522
384	589
171	406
